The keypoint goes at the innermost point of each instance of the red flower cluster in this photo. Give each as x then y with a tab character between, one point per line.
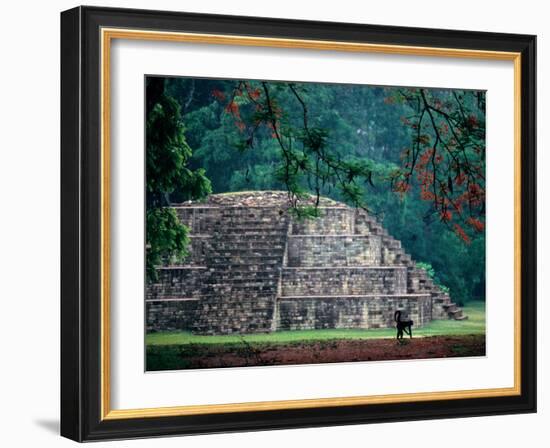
462	234
446	215
218	94
402	187
476	224
472	121
233	109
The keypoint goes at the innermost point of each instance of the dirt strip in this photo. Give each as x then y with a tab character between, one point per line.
204	356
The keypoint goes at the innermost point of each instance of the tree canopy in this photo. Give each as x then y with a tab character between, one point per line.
413	157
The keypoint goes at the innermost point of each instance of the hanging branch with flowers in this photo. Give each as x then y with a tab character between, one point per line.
446	158
308	163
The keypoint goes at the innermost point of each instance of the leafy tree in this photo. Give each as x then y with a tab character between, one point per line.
167	155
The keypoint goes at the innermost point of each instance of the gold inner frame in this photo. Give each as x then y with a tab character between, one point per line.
107	35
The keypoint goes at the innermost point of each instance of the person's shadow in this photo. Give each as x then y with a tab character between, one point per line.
51	425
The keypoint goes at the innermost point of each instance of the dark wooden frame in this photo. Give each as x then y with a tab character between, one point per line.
81	224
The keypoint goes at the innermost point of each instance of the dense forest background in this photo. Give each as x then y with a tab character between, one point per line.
414	158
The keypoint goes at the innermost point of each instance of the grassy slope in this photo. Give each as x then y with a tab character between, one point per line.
474	325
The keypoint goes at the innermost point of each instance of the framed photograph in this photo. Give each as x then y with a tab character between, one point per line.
276	224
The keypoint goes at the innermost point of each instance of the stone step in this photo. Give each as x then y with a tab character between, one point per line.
238	254
231	228
402	258
249	260
244	271
356	296
242	248
225	277
182	267
378	230
233	257
346	281
241	293
241	275
271	218
328	236
239	298
235	301
246	245
275	221
391	243
253	282
248	233
238	272
259	259
450	307
454	312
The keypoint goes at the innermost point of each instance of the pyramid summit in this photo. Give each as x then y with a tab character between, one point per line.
255	268
255	198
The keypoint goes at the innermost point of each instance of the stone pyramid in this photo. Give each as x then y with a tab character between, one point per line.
254	268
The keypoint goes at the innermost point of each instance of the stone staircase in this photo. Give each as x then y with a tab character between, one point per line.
418	279
442	306
244	262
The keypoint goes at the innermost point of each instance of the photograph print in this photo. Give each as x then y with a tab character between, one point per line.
302	223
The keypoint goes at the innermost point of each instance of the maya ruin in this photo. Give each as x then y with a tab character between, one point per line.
253	268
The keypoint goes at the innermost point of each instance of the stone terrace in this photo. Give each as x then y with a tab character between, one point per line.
253	268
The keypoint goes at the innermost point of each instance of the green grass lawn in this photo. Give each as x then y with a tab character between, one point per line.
475	324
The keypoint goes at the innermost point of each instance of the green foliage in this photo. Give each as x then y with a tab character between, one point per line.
167	238
167	150
305	212
431	273
427	267
167	156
